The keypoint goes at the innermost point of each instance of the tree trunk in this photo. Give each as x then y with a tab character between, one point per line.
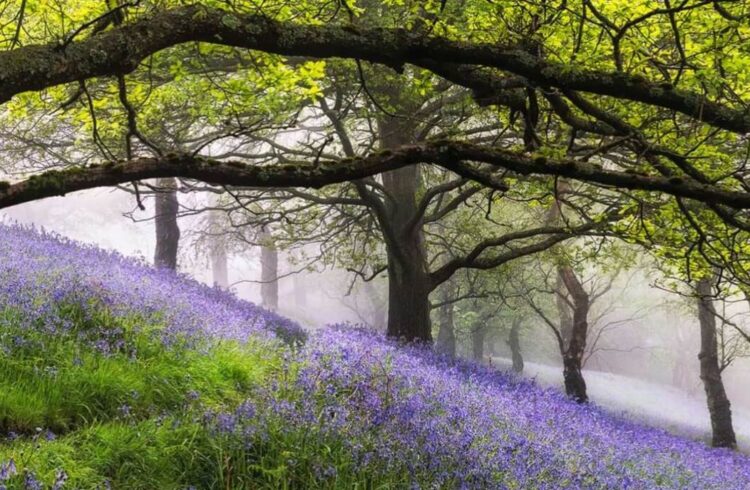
167	230
446	339
719	408
570	294
219	267
269	276
563	308
682	377
408	280
515	345
218	250
575	385
477	341
408	304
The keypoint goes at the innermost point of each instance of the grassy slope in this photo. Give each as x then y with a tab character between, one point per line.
113	375
129	416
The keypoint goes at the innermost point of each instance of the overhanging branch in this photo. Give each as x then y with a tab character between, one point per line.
120	50
450	155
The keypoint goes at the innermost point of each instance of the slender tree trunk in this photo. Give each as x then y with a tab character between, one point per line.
719	408
563	308
477	341
575	385
515	345
167	230
681	376
573	328
218	252
219	267
269	276
446	339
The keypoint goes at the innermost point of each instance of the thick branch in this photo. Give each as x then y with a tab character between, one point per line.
120	50
450	155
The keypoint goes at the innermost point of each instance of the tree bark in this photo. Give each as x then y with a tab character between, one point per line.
446	339
449	155
719	407
408	278
269	276
515	345
167	229
575	385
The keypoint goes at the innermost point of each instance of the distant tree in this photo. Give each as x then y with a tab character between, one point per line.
269	276
166	227
711	368
514	343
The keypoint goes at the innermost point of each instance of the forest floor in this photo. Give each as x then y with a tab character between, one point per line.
656	404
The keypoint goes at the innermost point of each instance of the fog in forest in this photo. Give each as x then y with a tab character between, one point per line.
643	340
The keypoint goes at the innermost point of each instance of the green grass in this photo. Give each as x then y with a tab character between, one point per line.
66	387
131	417
74	389
66	384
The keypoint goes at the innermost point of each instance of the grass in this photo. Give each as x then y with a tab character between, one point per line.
108	401
115	406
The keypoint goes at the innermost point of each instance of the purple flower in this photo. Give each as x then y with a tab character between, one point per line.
30	482
8	470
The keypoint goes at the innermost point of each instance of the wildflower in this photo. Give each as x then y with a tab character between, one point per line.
30	482
8	470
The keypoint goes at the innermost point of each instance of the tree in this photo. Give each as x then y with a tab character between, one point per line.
716	397
515	345
166	227
269	277
446	338
120	50
218	254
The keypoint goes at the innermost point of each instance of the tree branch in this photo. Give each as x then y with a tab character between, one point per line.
120	50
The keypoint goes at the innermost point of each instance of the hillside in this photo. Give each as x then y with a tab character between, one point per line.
115	375
648	402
